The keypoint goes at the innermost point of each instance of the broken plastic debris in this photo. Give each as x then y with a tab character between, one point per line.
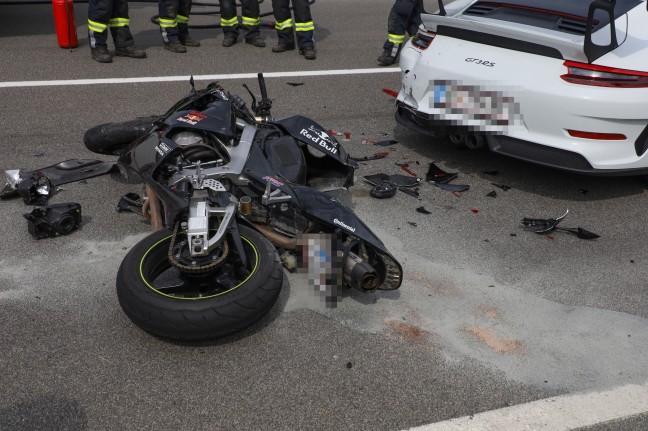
474	211
412	223
452	187
502	186
295	84
368	142
546	226
130	202
386	143
422	210
398	179
492	194
347	136
390	92
383	190
414	193
438	175
374	156
335	132
408	170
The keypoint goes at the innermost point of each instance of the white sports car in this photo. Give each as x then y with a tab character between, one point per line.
562	83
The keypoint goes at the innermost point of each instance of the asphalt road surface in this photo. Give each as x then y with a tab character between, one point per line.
489	316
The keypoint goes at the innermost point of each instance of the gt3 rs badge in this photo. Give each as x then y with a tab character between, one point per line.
321	138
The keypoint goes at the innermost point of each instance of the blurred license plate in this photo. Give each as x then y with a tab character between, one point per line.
470	104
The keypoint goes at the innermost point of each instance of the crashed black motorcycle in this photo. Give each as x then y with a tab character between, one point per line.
229	188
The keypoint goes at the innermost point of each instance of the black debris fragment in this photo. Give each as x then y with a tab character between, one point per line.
493	172
453	187
399	180
384	190
349	365
54	220
386	143
546	226
492	194
374	156
438	175
295	84
502	186
422	210
414	193
130	202
412	223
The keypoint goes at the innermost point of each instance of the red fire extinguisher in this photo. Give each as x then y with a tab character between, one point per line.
64	23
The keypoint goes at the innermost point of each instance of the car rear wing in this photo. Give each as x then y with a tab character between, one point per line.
526	38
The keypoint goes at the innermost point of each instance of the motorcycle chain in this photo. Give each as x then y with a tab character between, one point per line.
194	269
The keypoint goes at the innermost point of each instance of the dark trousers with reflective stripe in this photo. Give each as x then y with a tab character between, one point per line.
169	10
405	16
249	9
102	11
281	11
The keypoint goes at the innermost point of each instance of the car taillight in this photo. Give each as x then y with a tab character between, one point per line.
597	135
602	76
423	39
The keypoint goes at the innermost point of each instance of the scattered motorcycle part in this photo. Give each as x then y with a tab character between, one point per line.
408	170
374	156
390	92
502	186
384	190
438	175
414	193
452	187
35	189
492	194
295	84
422	210
54	220
399	180
546	226
171	304
386	143
130	202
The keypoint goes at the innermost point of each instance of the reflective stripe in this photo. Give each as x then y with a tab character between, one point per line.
118	22
251	22
284	24
182	19
304	26
97	26
228	22
395	38
168	22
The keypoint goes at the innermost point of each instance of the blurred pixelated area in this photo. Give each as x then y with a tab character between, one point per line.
473	107
319	263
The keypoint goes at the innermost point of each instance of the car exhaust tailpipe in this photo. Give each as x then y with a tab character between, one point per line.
475	142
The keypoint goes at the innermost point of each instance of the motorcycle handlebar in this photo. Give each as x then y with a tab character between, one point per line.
262	86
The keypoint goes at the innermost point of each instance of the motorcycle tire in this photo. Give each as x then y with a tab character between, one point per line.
114	138
201	316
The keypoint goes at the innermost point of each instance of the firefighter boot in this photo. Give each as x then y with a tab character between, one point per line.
101	55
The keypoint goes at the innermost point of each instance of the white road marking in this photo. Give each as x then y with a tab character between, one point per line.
147	79
565	412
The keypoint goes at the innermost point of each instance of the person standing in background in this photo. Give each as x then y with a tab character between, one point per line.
405	16
250	18
114	14
174	25
303	26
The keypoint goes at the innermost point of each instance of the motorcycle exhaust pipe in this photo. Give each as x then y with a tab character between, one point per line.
458	140
360	274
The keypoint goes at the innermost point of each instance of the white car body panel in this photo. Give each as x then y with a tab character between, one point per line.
548	105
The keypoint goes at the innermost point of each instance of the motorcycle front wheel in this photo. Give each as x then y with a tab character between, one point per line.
172	304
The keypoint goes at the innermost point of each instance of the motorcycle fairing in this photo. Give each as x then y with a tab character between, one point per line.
217	118
315	136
